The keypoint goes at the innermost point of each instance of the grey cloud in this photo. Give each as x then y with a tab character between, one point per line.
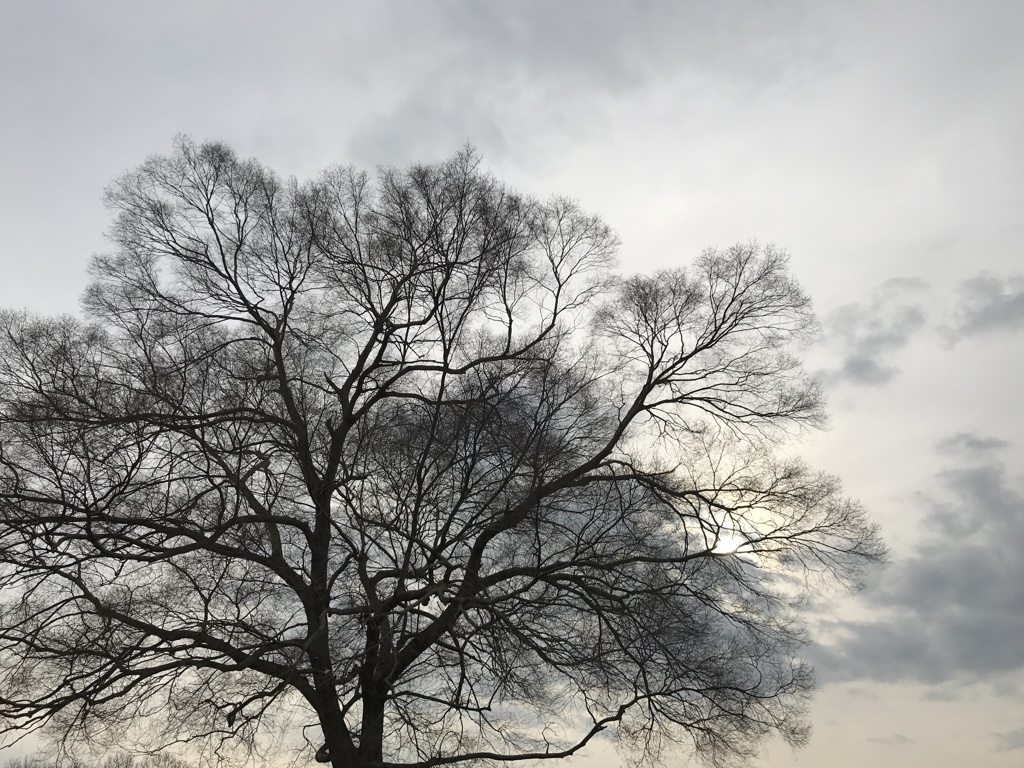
943	693
433	138
566	67
988	303
865	370
969	443
1008	741
894	739
954	610
868	334
596	42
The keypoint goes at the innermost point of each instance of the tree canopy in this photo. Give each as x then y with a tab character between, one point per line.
407	462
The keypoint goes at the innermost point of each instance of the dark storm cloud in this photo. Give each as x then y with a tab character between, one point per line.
954	609
988	303
866	335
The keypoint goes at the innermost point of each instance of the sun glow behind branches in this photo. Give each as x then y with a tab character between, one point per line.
731	544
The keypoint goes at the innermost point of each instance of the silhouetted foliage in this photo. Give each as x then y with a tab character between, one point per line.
409	457
115	760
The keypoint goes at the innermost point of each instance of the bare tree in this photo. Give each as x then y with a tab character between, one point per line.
115	760
409	457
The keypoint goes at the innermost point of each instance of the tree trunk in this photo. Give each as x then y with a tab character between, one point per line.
371	740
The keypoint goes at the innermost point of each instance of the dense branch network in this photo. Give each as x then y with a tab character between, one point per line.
408	456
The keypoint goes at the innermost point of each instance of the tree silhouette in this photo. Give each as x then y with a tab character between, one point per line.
408	456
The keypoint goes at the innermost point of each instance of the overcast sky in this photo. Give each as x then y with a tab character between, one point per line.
880	143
